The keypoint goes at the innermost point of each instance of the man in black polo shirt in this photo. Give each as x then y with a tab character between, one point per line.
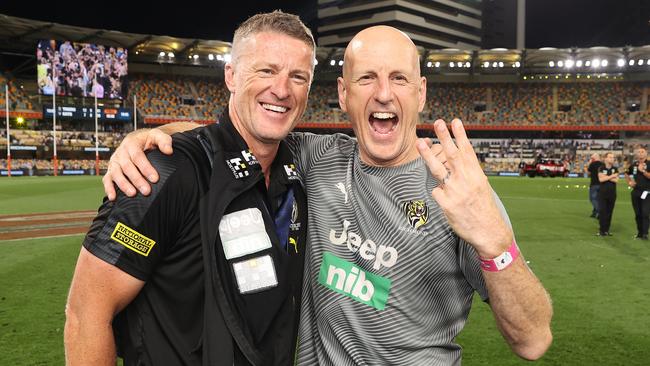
608	177
594	186
207	269
638	178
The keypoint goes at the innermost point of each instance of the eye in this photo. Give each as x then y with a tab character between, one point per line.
300	78
265	71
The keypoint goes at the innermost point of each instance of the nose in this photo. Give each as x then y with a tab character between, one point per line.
280	86
383	92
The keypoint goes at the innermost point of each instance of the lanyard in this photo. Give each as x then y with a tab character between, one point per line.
283	218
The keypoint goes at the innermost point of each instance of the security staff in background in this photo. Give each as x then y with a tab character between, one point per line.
608	177
638	178
592	170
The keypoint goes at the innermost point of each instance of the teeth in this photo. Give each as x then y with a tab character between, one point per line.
383	115
274	108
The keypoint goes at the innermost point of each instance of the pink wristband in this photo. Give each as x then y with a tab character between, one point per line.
503	261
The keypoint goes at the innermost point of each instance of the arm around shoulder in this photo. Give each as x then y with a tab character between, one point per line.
98	292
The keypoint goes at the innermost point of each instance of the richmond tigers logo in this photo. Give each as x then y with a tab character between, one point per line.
416	212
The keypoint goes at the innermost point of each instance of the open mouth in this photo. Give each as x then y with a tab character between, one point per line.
383	123
275	108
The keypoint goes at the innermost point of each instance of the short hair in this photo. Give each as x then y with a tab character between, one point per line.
275	21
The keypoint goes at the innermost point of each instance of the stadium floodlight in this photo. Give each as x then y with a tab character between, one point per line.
495	64
170	54
219	58
196	57
640	62
189	57
452	64
227	57
341	63
631	62
332	62
315	62
467	64
486	64
517	64
162	54
579	63
647	62
560	63
437	64
551	64
569	64
595	63
588	63
210	57
429	64
604	63
620	62
500	63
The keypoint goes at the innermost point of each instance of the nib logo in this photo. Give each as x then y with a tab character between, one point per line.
345	278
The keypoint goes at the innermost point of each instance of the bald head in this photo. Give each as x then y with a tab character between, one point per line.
377	42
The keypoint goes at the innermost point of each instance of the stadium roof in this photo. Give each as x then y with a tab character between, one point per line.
19	36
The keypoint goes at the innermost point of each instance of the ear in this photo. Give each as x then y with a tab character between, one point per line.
340	82
423	94
229	76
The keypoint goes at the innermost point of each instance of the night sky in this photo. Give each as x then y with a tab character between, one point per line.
550	23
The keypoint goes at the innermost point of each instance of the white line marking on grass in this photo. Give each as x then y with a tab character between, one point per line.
554	199
40	237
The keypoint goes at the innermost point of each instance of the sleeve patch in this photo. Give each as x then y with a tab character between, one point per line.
132	239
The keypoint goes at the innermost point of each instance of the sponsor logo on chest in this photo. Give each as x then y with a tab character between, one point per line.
240	165
350	279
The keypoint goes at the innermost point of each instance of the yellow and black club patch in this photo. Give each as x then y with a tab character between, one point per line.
132	239
416	212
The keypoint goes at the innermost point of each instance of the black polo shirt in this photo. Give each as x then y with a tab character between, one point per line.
157	239
607	187
642	183
593	169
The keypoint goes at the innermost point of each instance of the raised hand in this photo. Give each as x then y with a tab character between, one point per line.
464	193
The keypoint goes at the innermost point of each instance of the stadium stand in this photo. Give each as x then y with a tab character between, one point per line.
18	99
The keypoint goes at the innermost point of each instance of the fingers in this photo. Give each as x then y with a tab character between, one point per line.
115	174
436	167
448	146
459	134
138	167
135	167
160	140
109	189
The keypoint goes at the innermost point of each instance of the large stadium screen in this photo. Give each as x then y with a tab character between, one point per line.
81	69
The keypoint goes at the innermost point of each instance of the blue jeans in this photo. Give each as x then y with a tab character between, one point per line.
593	197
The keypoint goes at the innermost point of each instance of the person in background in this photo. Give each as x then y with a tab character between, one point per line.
594	185
608	177
638	178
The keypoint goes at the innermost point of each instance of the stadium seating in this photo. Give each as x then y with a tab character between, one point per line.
18	99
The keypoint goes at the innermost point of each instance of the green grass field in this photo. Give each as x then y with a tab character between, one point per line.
599	286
